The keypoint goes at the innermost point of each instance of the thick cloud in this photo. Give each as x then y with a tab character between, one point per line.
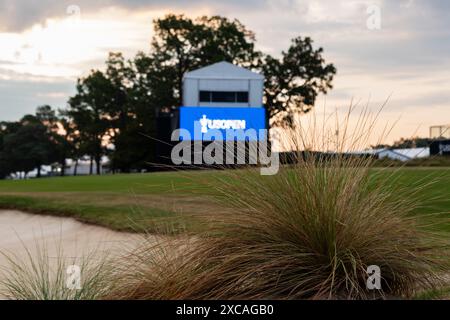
17	15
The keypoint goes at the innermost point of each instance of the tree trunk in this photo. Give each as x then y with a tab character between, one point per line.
98	164
75	169
91	165
180	75
39	171
63	167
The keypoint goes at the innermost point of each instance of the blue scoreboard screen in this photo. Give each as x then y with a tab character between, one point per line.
221	123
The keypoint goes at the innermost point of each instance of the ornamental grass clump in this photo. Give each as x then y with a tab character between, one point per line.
309	232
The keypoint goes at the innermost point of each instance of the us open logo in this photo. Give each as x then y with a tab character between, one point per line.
221	124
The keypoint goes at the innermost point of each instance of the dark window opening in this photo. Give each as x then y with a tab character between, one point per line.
223	96
205	96
242	97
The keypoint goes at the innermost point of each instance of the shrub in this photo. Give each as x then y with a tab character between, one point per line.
309	232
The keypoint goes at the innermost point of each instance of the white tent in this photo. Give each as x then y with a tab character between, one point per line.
398	154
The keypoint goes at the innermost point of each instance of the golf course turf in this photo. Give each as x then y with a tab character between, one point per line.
166	202
173	202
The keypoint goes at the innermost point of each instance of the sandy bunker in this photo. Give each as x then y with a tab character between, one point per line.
20	230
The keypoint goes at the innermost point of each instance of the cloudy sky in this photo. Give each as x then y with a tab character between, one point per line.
45	45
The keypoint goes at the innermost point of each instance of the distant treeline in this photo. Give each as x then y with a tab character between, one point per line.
115	112
406	143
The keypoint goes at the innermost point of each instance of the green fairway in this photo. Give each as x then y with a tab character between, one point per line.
158	202
120	183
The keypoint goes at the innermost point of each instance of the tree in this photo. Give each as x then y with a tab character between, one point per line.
6	128
59	132
47	116
406	143
132	112
88	110
65	140
125	116
294	81
29	147
416	142
181	44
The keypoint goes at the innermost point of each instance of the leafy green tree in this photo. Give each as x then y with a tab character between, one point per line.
29	147
61	133
294	81
89	110
65	140
181	44
132	112
47	116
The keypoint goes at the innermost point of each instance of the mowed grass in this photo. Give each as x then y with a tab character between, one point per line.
140	183
157	202
169	201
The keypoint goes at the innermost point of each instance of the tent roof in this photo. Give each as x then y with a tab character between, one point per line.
223	70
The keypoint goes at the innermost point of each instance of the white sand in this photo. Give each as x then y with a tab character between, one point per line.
20	230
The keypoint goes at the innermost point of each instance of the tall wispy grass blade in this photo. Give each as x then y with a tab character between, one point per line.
42	274
308	232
